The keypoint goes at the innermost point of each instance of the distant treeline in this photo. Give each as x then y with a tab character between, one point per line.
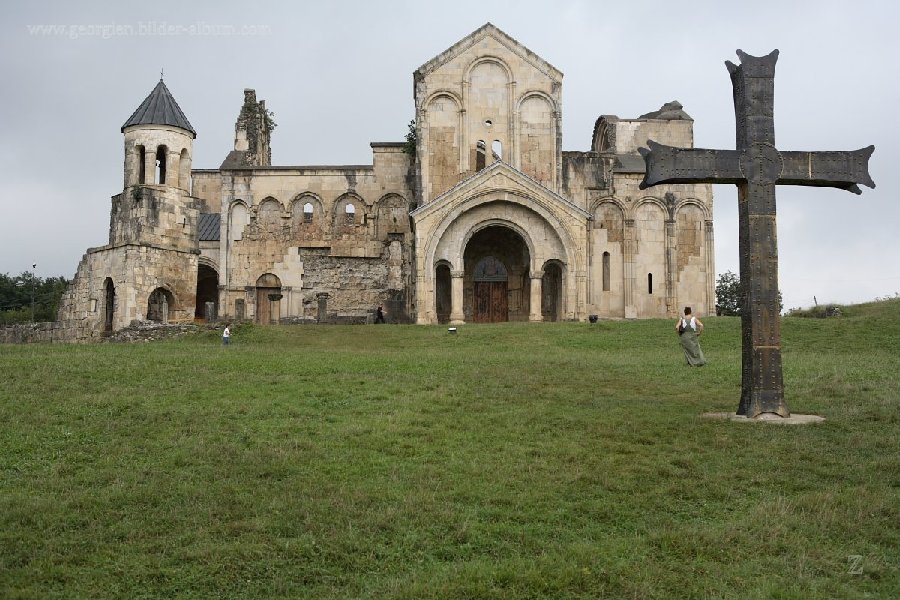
16	293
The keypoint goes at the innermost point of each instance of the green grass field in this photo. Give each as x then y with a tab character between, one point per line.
508	461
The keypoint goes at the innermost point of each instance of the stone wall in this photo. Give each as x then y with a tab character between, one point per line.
28	333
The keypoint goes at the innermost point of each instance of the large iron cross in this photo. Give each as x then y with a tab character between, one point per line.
757	167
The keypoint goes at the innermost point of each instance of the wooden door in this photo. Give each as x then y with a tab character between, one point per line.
490	302
263	305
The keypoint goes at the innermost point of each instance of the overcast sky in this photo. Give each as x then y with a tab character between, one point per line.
338	75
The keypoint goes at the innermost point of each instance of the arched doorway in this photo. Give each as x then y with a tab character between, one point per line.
160	302
442	298
490	288
109	305
551	291
207	291
495	288
268	299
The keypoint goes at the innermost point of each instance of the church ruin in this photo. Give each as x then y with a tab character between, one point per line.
485	218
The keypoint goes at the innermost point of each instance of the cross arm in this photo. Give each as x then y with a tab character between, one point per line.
668	164
842	170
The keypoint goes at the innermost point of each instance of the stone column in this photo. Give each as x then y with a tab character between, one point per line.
457	317
424	300
149	165
581	288
710	269
630	308
173	170
671	269
535	307
322	298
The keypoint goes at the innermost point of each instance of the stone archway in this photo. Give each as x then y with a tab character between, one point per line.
160	303
442	292
495	286
552	291
109	305
268	299
207	291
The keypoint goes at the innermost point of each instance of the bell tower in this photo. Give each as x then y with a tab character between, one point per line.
155	207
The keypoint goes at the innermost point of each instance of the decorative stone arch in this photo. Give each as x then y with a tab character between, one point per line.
537	94
567	240
434	157
607	200
652	264
298	205
526	237
340	215
392	215
488	58
238	219
693	202
160	303
659	202
694	252
269	215
442	94
553	302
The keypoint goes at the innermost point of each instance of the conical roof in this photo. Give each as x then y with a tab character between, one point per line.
160	108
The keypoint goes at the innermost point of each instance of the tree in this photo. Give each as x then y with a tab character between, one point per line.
409	147
730	297
16	295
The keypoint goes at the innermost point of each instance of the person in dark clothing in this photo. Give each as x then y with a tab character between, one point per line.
379	316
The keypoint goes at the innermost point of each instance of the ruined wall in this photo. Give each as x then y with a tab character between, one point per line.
134	272
154	215
352	219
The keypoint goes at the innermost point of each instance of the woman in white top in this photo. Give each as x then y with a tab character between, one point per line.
689	328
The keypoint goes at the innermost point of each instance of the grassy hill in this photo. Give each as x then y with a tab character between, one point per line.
514	460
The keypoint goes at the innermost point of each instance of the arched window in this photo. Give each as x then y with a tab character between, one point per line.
497	150
308	212
606	271
480	150
161	165
350	212
142	165
649	283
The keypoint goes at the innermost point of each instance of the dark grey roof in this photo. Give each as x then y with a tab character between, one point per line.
159	108
629	163
208	227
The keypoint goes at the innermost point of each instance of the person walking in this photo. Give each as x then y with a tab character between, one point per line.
379	316
226	335
689	329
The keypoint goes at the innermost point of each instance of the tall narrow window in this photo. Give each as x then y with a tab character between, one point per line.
142	167
307	213
606	271
350	212
649	283
480	150
497	150
161	165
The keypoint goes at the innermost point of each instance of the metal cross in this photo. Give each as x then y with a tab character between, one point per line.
756	167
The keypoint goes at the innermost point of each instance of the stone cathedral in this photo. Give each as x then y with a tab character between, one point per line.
483	219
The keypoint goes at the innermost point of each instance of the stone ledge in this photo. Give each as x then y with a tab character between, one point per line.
794	419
